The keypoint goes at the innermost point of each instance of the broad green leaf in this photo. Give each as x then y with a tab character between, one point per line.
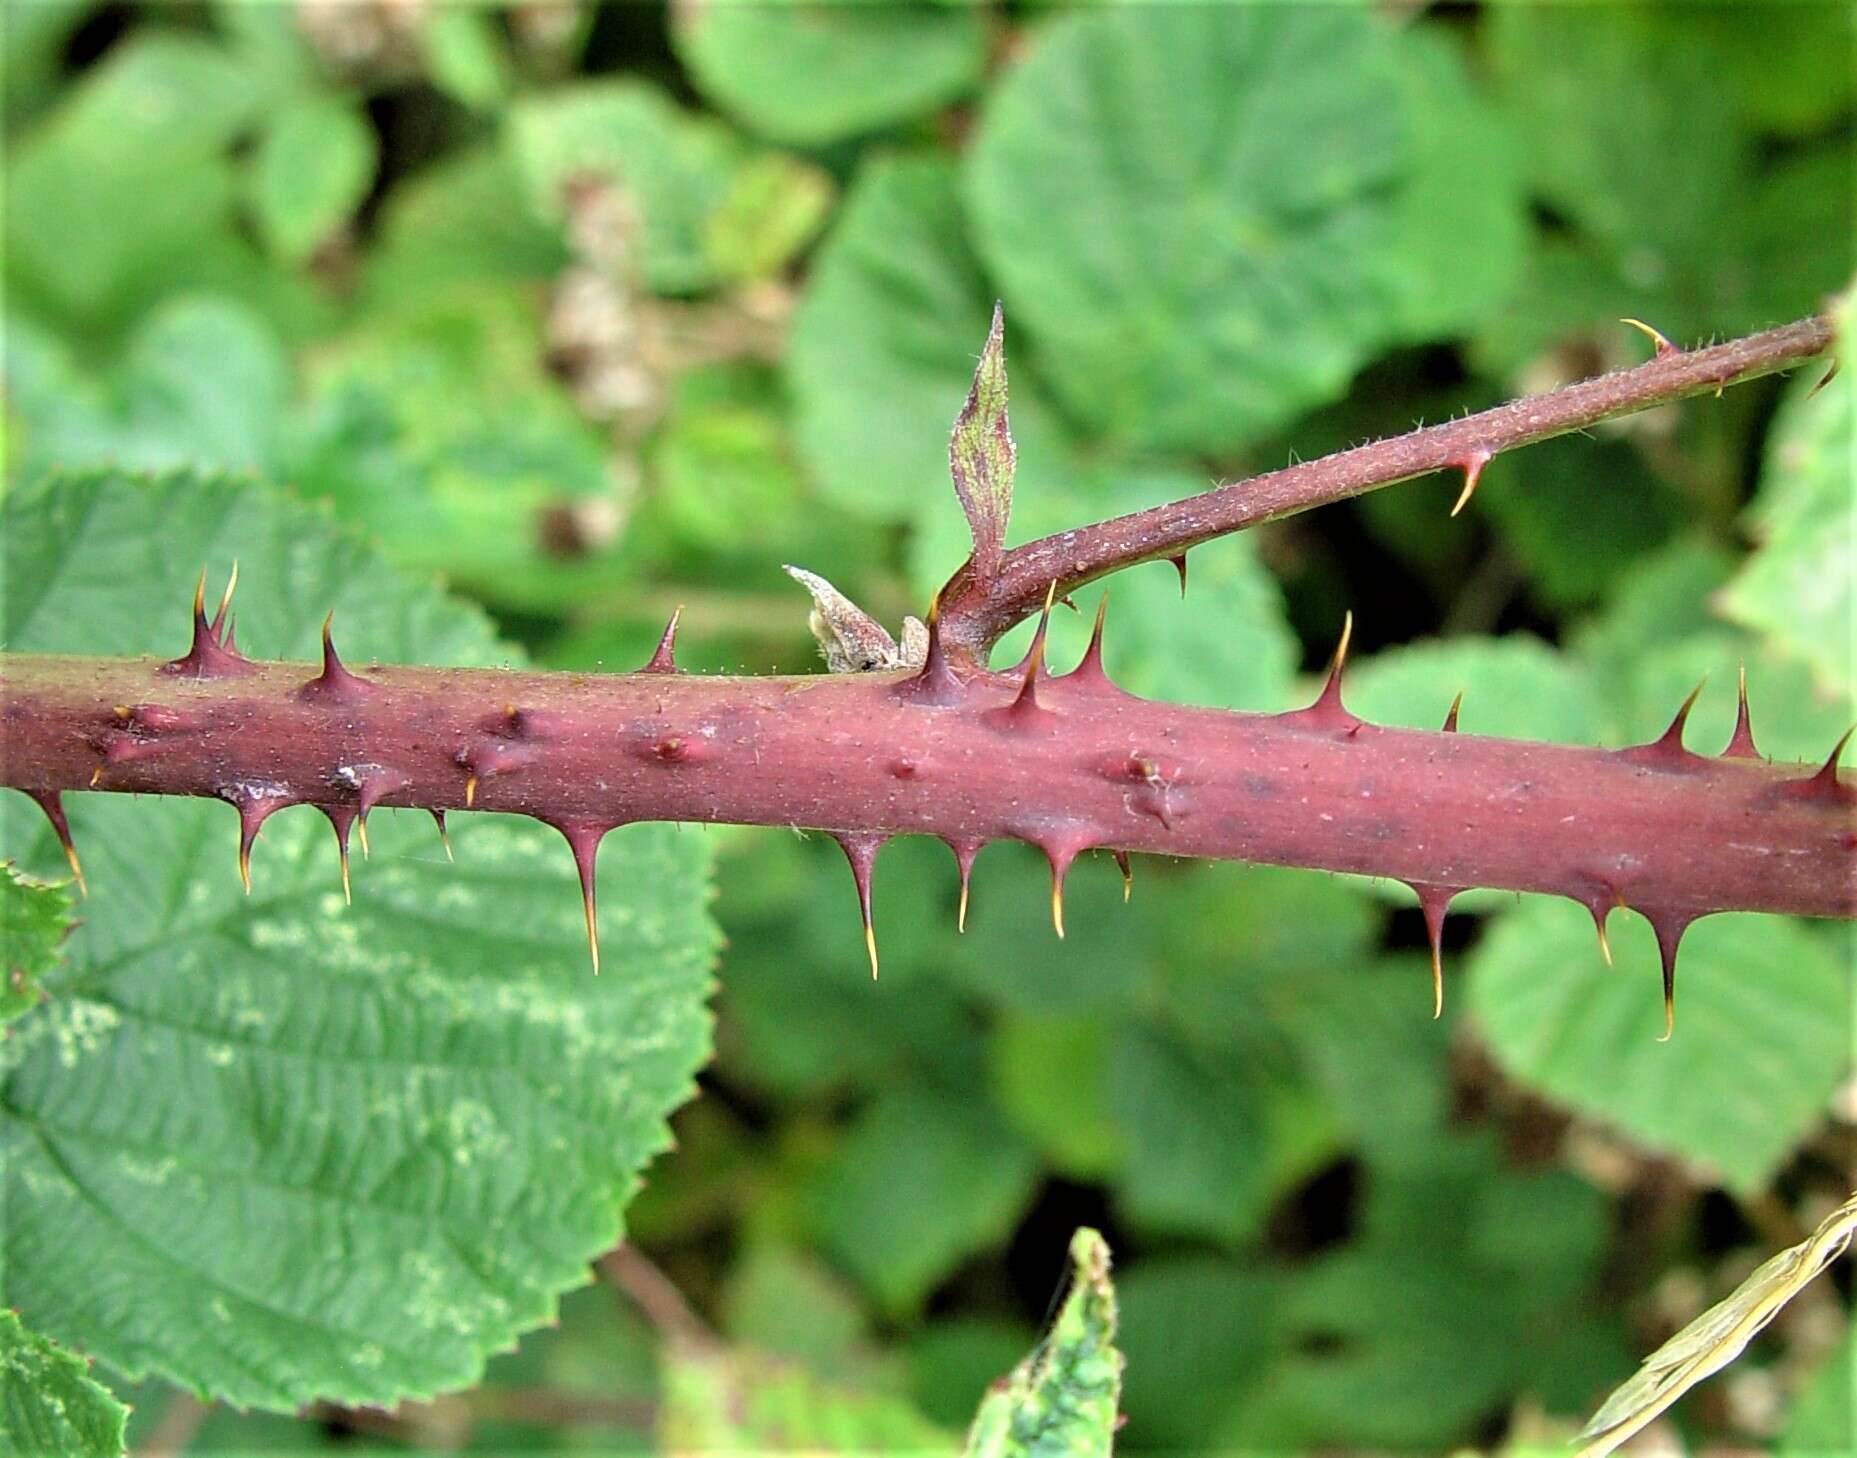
1191	276
1063	1400
50	1405
1763	1024
1514	688
1787	65
1464	202
870	1211
35	918
312	167
95	226
1823	1418
1646	176
981	454
1800	587
1198	1333
201	381
782	1301
1051	1078
318	1151
806	72
952	1359
1578	514
742	1401
1714	1339
668	172
882	351
1213	1134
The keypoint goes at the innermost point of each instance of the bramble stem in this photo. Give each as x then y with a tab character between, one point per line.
975	613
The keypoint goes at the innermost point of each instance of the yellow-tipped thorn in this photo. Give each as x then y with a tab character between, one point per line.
1057	908
95	775
1341	648
1669	1018
1605	944
232	582
470	792
245	867
348	897
593	933
870	945
1437	982
444	839
77	871
1656	336
199	595
960	917
361	834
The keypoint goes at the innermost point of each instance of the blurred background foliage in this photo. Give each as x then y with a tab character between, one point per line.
589	311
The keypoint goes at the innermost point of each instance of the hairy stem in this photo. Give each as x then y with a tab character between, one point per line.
976	610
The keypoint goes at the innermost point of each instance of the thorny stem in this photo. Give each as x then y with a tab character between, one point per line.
1067	763
975	613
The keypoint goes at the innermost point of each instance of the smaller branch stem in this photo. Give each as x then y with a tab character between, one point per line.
975	613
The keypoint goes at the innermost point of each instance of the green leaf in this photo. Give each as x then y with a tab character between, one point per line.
1514	688
50	1405
911	1141
669	172
810	73
320	1151
1763	1024
312	167
1062	1400
981	454
717	1400
1823	1418
465	55
773	209
35	918
1800	587
1614	137
1189	211
1464	202
201	381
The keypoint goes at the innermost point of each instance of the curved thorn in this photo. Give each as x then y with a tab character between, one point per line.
1450	718
664	657
964	853
1434	901
199	600
1656	336
470	791
936	682
361	834
1472	466
340	817
1741	742
1669	930
1180	567
1128	874
583	840
1090	666
1825	379
860	848
53	805
1060	855
225	598
444	837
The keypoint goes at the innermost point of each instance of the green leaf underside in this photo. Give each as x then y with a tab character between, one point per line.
1763	1022
1062	1400
312	169
281	1149
35	918
50	1405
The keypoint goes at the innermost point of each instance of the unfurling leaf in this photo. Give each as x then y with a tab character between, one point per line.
981	453
1061	1400
1717	1337
850	639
